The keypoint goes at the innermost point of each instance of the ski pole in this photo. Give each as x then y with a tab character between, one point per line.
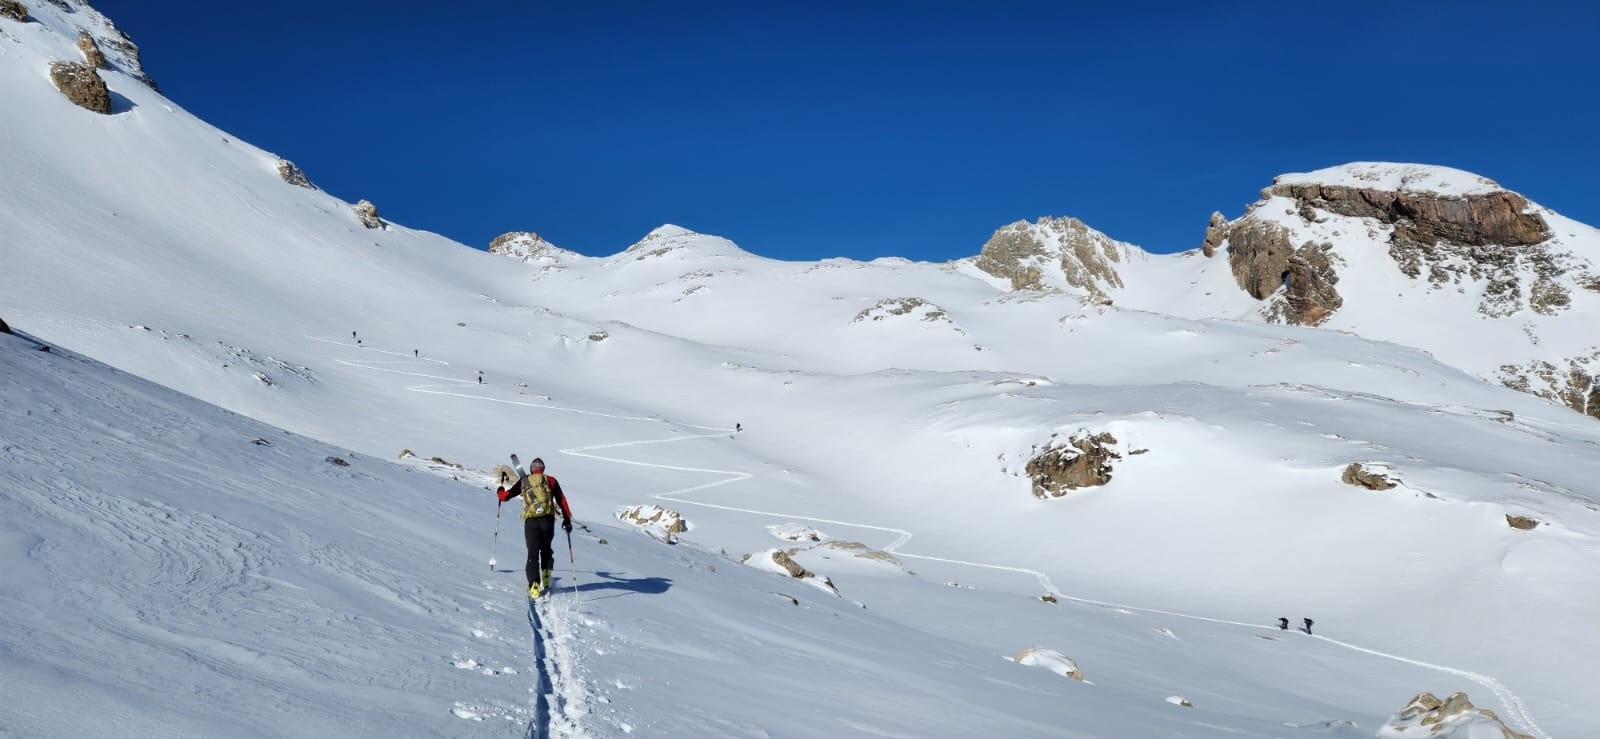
496	544
574	562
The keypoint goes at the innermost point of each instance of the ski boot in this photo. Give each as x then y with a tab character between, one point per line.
533	591
544	582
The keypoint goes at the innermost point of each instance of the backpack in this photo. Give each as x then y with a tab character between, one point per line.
536	500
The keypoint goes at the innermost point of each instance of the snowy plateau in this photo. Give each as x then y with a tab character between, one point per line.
1065	488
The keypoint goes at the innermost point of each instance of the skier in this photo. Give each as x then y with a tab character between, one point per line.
540	494
1308	625
1283	624
414	353
738	427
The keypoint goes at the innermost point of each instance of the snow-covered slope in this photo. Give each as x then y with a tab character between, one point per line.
894	408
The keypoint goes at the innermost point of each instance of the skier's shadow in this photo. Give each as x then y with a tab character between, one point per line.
615	581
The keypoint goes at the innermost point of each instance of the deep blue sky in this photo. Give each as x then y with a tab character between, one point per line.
863	129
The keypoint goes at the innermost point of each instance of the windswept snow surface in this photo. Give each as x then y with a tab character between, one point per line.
1396	177
188	582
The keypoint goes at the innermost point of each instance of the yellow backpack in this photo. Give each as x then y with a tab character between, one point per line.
536	497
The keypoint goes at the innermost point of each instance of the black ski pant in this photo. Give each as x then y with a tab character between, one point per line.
540	531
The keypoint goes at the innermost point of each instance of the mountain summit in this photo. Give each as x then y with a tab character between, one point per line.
1431	257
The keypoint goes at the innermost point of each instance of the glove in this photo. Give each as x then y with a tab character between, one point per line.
566	525
502	494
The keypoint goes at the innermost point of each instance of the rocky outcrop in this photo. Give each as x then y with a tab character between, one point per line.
92	55
1430	718
653	517
1521	522
899	307
1496	218
1034	256
1216	234
1575	384
123	46
1264	259
367	213
1475	231
1359	475
14	10
81	84
4	329
292	174
1082	460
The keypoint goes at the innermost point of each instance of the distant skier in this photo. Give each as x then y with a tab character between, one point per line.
1283	624
738	427
414	353
542	498
1307	629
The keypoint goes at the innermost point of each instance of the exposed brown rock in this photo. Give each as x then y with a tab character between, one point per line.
1216	233
82	85
1489	219
1258	252
1576	385
653	516
899	307
1436	718
1357	474
92	55
1087	258
1309	295
1083	461
1007	255
14	10
292	174
789	565
1521	522
445	462
368	215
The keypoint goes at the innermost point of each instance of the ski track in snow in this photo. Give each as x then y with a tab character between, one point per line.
1513	705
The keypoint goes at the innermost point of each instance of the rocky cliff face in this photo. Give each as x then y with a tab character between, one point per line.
1443	237
1055	254
1437	224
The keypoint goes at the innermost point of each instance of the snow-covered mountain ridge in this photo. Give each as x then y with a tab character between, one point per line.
1485	280
895	416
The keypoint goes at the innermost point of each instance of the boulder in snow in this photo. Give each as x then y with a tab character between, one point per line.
1082	460
665	520
1369	478
81	84
367	213
14	10
1521	522
92	55
1051	660
292	174
1453	718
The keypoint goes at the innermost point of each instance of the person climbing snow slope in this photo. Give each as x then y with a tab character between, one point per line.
542	497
